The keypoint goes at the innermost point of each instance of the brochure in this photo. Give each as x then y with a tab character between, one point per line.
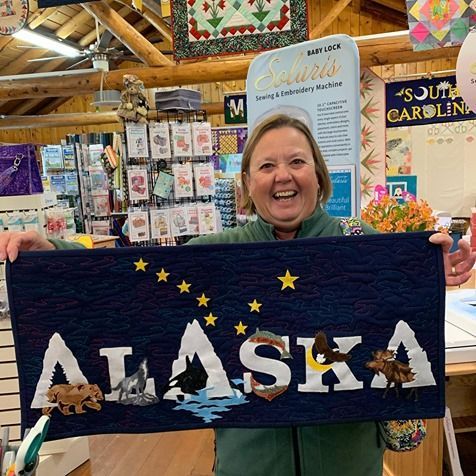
52	157
183	185
137	139
159	223
138	226
202	138
138	185
182	140
160	140
204	179
163	185
178	221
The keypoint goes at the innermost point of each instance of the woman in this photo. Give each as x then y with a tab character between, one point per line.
285	182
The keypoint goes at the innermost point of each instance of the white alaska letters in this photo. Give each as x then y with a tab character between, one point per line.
195	342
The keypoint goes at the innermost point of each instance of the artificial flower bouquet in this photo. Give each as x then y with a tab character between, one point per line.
389	215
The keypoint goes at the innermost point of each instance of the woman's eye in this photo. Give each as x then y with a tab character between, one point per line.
265	166
298	161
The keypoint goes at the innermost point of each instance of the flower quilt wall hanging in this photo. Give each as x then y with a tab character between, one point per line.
138	340
204	28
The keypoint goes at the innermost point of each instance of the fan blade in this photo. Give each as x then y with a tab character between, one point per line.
46	58
73	66
106	38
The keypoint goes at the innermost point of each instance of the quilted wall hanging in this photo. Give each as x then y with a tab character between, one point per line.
437	23
215	27
13	16
244	335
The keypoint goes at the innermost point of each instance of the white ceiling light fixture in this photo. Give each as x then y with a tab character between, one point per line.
47	43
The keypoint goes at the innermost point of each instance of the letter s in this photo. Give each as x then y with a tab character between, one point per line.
276	368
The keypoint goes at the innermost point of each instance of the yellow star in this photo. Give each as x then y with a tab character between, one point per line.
255	305
162	275
210	319
240	329
184	287
202	300
288	280
140	265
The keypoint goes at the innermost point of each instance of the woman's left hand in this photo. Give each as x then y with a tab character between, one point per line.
458	265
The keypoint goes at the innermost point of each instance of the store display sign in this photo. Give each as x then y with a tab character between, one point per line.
235	109
425	101
316	81
138	340
342	203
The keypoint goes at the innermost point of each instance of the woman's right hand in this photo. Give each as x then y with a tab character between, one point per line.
11	242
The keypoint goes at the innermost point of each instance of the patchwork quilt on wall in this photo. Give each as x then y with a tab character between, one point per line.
439	23
215	27
137	340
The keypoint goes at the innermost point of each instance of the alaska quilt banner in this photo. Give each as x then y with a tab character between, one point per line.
214	27
438	23
137	340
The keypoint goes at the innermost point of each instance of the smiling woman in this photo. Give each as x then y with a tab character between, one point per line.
285	176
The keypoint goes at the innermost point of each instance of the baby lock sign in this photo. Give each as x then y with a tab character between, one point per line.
318	82
263	334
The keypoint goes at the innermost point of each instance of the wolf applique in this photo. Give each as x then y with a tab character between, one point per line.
132	388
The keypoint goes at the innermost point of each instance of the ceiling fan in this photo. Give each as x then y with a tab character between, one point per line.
98	53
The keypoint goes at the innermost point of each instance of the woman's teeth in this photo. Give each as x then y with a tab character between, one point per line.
284	195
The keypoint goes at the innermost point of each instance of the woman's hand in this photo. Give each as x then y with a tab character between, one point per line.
458	265
11	242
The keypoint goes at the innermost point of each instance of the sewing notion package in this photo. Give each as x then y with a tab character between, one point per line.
230	335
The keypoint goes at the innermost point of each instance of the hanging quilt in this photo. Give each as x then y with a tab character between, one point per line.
215	27
136	340
439	23
372	134
13	16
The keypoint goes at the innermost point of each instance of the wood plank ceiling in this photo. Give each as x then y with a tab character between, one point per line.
146	36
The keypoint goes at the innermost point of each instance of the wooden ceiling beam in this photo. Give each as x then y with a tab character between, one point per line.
84	118
71	25
379	51
158	23
91	36
40	17
398	5
328	19
382	13
126	33
156	20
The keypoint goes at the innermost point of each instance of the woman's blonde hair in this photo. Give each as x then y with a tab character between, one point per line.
278	121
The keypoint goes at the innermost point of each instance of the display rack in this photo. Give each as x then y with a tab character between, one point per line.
155	167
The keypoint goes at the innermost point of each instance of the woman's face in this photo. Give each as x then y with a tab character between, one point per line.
282	180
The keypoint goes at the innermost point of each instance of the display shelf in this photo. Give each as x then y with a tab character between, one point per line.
27	202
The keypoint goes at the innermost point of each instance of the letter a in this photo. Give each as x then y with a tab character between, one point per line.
56	353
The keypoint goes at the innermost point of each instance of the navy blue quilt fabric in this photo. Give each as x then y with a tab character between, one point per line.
246	335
